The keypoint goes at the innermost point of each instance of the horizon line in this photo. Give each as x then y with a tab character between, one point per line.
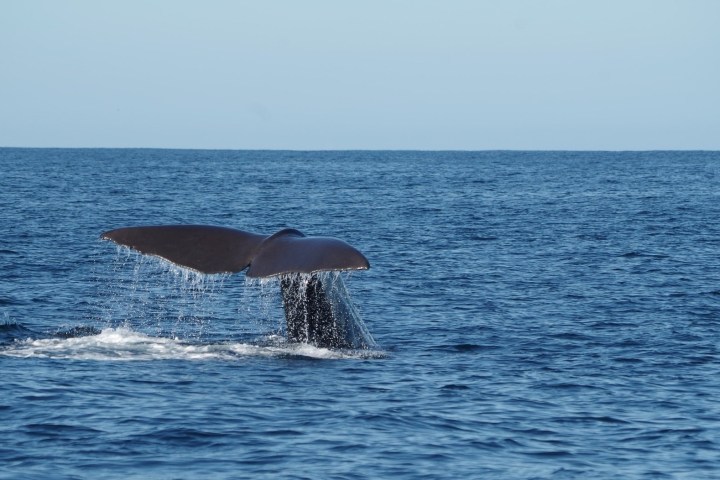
639	150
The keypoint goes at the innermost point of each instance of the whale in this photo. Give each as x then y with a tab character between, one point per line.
316	303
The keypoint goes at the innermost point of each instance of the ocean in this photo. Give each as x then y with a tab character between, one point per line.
537	315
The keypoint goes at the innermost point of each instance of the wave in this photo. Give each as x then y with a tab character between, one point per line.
11	330
124	344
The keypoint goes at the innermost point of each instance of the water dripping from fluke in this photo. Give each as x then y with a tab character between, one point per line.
319	311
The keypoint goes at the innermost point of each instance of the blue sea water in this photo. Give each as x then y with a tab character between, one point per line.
537	315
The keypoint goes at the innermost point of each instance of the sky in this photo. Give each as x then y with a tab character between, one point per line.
370	74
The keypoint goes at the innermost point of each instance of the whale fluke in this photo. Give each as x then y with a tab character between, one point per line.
316	304
206	249
210	249
289	251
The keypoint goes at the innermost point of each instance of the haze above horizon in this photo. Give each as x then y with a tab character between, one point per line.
373	75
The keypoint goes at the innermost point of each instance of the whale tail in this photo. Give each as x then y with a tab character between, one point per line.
210	249
316	304
318	310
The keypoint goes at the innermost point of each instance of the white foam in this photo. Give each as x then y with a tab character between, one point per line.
113	344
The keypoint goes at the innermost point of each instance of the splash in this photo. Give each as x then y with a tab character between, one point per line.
315	308
319	310
122	344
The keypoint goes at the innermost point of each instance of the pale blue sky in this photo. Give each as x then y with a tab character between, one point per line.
310	74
